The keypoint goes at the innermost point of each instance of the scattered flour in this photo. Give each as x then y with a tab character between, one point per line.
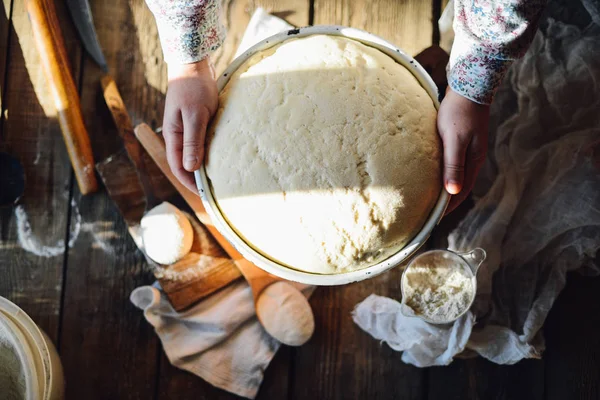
102	233
75	226
12	377
438	287
31	243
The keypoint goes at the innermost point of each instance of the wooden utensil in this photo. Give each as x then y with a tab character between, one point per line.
55	63
121	118
259	280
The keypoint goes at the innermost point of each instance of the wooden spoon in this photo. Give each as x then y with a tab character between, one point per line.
281	308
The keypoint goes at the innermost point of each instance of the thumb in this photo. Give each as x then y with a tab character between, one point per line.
455	148
194	132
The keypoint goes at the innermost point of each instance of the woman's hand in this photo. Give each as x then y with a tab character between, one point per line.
463	127
192	100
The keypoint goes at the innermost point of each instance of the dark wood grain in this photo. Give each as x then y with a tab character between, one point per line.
32	133
572	357
4	29
109	351
478	378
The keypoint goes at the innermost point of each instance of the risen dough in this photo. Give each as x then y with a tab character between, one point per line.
324	154
167	234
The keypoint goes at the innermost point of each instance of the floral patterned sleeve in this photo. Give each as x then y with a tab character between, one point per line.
189	30
489	36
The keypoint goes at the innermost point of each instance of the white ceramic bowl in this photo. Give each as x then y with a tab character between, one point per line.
274	267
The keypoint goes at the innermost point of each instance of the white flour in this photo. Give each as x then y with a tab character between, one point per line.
437	287
31	243
12	377
102	233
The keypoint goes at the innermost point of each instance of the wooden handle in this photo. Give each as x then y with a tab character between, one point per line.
55	63
117	108
155	146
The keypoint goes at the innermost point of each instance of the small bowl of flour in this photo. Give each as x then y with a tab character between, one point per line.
439	286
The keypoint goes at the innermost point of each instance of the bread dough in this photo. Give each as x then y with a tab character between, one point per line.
324	154
167	234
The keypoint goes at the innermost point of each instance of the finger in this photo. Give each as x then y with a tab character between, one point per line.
174	145
194	131
455	147
475	158
173	135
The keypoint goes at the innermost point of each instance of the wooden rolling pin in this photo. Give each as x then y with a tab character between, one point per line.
55	63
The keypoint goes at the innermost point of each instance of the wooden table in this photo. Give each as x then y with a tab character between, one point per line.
78	291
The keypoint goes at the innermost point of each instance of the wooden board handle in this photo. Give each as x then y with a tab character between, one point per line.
55	63
117	108
122	121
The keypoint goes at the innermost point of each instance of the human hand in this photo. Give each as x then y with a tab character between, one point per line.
192	100
463	127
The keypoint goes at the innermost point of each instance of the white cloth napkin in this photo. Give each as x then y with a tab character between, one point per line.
539	214
219	339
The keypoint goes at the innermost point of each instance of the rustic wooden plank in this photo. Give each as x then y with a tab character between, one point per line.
31	132
407	24
4	29
108	349
341	361
478	378
174	383
101	331
572	357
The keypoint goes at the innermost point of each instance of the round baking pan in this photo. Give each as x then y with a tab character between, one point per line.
263	261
